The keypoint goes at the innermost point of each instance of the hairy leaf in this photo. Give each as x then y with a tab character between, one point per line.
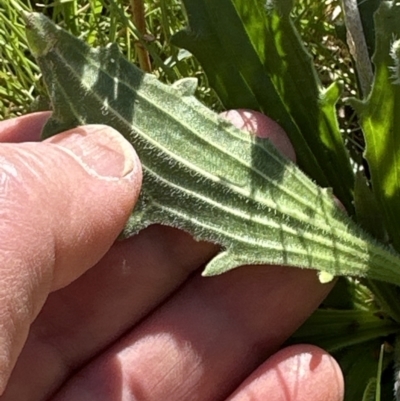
200	173
254	58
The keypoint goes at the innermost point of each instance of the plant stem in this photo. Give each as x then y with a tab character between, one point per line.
138	18
357	45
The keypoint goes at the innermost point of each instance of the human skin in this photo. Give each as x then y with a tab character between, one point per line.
86	318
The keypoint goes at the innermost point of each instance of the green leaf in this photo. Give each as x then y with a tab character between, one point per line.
379	374
201	174
387	296
359	365
369	216
254	58
337	329
380	118
348	293
367	10
368	212
371	391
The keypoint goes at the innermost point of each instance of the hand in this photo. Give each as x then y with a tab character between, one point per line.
141	324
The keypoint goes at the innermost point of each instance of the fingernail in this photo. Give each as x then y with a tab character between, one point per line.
100	148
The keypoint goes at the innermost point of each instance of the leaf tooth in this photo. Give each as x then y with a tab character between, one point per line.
219	264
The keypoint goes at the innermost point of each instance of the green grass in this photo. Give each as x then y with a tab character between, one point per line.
100	22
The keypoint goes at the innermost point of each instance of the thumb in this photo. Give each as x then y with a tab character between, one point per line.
63	202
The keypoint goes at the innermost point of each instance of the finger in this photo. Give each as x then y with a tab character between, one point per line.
81	320
63	203
296	373
206	340
263	127
133	278
25	128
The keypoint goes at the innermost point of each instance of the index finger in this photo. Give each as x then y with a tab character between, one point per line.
26	128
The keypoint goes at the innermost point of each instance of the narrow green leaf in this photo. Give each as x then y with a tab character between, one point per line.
387	297
368	212
373	390
379	374
359	364
200	173
370	390
367	10
369	216
337	329
347	294
254	58
380	118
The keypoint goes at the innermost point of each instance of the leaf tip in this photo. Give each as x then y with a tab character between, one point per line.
40	33
186	86
221	263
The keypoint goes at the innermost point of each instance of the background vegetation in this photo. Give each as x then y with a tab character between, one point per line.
102	21
354	323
